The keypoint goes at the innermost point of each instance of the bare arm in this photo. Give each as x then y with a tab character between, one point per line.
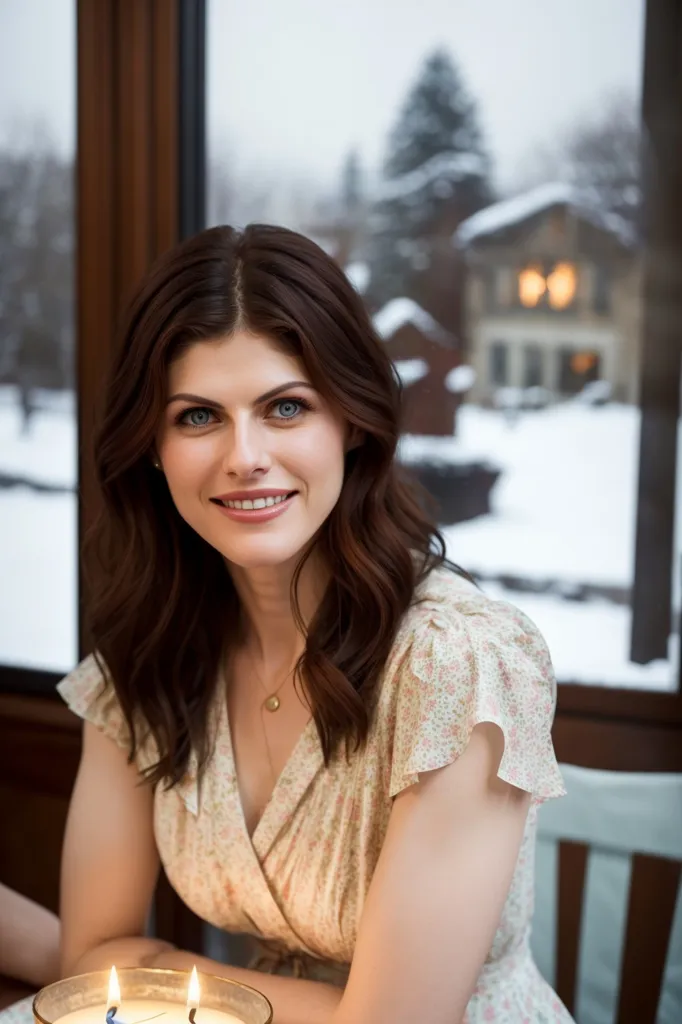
29	939
109	870
438	892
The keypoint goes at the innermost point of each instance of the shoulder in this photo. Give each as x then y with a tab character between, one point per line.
451	617
459	659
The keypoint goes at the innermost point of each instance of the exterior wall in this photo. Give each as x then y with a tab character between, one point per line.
428	407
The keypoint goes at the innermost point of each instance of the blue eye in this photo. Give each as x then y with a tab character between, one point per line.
288	408
196	417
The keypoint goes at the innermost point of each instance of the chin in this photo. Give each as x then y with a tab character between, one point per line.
261	553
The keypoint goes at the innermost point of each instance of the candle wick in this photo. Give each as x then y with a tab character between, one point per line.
192	1014
111	1014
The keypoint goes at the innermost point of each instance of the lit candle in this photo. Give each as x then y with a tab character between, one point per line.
193	996
114	996
149	994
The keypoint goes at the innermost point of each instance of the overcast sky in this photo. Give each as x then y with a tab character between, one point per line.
297	83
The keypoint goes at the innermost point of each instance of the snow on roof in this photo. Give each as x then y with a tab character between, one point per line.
398	312
411	370
358	275
515	211
451	166
460	380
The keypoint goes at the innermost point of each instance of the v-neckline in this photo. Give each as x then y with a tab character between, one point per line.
301	767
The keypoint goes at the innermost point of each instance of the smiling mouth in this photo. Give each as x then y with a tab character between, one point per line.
253	505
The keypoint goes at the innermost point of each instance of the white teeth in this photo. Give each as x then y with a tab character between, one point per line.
249	505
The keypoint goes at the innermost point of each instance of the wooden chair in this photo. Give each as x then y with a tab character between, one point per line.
608	921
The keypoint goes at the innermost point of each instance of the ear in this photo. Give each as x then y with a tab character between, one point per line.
355	439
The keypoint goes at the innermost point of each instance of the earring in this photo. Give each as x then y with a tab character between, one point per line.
157	464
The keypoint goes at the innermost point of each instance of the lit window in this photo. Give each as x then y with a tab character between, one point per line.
583	362
561	285
532	286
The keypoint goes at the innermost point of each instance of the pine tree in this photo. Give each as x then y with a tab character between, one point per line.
435	174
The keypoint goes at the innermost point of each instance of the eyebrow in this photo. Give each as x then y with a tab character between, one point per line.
210	404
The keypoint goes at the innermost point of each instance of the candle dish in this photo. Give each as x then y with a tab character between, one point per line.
223	1001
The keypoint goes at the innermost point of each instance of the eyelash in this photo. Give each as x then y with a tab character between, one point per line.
182	417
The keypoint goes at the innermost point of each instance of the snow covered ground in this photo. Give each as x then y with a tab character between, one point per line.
563	514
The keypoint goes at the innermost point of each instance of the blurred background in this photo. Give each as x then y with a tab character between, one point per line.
501	183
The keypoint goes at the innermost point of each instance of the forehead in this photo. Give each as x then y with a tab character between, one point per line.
238	360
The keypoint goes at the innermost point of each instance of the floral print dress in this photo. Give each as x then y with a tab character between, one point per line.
300	881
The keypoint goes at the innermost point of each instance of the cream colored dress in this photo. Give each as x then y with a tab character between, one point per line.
301	880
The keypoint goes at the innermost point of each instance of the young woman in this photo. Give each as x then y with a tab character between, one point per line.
342	742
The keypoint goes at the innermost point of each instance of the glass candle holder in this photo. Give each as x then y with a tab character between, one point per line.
149	994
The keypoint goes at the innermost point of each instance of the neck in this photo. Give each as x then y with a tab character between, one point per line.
272	634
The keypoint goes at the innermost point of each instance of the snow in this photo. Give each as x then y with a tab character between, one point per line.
562	519
518	209
48	452
460	380
448	166
564	507
398	312
440	451
358	274
411	370
38	551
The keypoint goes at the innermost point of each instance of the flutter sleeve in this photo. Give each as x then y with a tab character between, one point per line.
474	660
92	697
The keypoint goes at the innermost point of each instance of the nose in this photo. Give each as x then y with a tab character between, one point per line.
246	451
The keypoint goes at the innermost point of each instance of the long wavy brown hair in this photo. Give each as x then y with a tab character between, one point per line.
162	610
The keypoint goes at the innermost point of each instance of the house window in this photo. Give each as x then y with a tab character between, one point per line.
499	363
577	368
532	367
554	285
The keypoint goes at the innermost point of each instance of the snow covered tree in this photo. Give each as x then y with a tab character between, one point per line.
435	174
36	269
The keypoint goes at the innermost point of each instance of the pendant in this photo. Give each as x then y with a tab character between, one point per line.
271	703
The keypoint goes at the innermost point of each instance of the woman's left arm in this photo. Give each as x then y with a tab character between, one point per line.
438	891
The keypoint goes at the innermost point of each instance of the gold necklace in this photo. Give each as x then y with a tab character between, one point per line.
272	702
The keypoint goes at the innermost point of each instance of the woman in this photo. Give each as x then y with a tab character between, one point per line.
342	741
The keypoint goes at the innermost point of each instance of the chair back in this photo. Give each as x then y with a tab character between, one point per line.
607	931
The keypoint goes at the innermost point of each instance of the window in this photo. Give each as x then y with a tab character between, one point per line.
577	369
533	367
499	372
421	201
38	449
553	286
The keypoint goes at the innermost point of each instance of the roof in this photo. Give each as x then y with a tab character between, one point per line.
398	312
411	370
514	211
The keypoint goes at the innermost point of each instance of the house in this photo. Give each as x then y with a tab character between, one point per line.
552	296
424	355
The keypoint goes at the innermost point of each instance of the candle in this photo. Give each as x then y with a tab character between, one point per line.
150	994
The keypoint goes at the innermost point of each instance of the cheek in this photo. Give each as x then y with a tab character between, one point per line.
317	456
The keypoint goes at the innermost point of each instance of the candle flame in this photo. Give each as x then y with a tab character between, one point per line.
194	994
114	997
